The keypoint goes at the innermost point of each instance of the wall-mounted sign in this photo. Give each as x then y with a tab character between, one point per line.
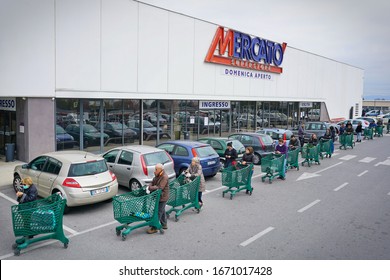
238	49
305	104
8	104
220	105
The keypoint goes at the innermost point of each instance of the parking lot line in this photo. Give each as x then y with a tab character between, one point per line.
361	174
329	167
308	206
257	236
340	187
8	198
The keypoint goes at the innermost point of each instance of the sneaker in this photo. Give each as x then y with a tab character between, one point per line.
151	230
165	226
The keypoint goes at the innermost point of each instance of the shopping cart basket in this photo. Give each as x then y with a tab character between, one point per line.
292	158
136	209
237	178
37	221
326	148
346	140
311	154
183	194
273	165
368	133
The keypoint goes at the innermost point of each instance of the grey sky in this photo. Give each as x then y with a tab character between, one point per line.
352	32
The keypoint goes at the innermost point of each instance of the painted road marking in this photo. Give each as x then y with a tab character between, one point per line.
386	162
257	236
307	175
308	206
364	172
347	157
367	159
340	187
335	154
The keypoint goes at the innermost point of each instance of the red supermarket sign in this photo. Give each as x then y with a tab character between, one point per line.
237	49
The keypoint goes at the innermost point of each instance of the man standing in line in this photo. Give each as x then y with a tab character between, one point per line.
160	181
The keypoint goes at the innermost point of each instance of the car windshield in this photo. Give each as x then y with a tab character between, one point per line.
118	126
147	124
89	128
205	151
157	157
59	130
267	140
87	168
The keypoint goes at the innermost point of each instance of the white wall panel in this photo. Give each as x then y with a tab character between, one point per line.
119	51
78	44
153	50
181	54
26	48
205	73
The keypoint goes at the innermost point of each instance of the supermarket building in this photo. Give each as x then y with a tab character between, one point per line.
87	63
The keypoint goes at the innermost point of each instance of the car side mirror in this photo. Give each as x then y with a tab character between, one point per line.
25	166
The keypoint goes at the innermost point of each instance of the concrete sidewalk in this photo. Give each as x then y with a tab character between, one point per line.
6	170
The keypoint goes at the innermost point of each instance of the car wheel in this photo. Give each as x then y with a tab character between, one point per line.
17	183
134	185
256	159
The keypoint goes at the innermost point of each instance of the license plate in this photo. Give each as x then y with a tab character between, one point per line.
98	191
211	162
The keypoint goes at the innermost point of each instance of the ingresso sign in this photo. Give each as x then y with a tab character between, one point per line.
8	104
220	105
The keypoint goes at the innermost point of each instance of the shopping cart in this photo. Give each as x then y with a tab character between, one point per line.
326	148
273	165
379	131
237	178
368	133
184	194
311	154
136	209
346	140
37	221
292	159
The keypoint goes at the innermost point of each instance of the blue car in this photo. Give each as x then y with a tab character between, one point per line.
182	153
64	140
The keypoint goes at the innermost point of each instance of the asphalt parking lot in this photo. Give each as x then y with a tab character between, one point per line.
339	209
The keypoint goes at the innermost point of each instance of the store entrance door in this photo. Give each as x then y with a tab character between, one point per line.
7	129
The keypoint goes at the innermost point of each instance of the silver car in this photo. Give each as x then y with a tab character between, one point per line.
82	178
134	165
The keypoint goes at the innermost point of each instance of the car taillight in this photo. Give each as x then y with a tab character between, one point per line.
194	153
284	137
144	167
113	176
71	183
262	143
169	156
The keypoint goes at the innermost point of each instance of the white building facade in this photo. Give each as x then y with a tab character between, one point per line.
90	62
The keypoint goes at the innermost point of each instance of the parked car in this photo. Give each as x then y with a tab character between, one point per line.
355	123
219	144
81	177
116	130
368	119
277	133
91	136
318	128
385	118
134	165
262	144
373	113
149	130
244	118
64	140
182	153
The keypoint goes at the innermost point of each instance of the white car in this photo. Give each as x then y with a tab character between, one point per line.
82	178
355	123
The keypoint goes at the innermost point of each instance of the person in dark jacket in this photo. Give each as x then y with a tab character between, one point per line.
247	158
342	129
160	181
282	149
349	128
301	134
359	130
313	139
29	192
294	143
230	155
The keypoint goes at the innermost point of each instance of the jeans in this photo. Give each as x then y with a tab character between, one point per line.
359	136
